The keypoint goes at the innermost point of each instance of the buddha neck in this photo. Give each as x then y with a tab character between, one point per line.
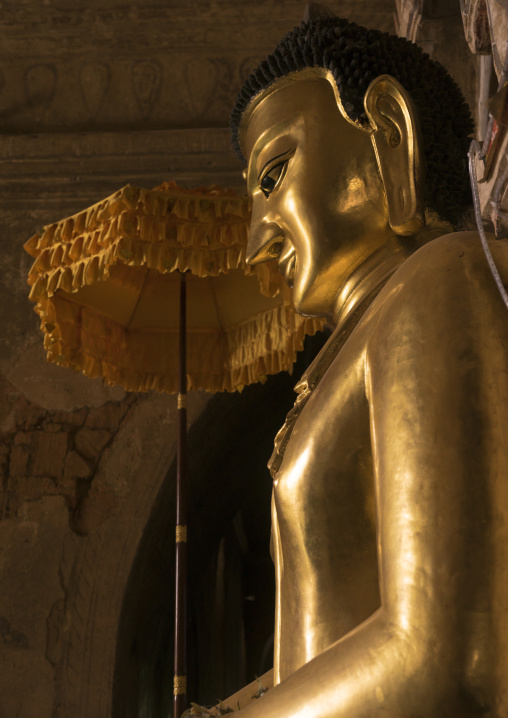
370	276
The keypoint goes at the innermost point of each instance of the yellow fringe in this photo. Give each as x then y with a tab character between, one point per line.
80	338
204	231
166	229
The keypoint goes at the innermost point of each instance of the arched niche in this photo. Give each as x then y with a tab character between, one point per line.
231	581
83	629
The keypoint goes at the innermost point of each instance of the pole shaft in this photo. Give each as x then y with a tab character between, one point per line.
180	674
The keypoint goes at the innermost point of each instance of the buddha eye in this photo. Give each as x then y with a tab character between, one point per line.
272	177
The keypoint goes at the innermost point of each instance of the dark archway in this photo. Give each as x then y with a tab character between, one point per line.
231	582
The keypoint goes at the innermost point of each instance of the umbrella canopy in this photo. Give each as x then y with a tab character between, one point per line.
106	290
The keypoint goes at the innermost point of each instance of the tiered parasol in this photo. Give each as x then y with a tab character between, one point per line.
111	285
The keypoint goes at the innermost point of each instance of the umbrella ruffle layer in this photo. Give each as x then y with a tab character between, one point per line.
202	230
104	290
83	339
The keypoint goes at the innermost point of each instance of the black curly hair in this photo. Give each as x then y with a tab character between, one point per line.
355	56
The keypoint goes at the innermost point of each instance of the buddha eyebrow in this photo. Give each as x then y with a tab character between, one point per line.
271	160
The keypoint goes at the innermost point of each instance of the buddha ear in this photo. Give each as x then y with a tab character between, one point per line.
397	143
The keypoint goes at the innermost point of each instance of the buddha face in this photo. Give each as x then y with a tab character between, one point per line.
319	205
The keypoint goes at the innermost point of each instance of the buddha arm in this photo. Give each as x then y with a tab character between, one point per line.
438	402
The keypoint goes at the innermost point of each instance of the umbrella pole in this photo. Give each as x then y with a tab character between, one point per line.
180	676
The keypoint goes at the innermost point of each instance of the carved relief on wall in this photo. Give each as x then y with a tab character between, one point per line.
94	82
40	84
146	78
142	66
175	90
201	79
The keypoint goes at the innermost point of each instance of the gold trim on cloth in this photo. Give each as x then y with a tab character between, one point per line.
182	401
181	533
179	685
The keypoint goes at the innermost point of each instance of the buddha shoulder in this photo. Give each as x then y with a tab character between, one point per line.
442	299
450	271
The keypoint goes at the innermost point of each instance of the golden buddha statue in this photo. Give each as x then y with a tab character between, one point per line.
390	498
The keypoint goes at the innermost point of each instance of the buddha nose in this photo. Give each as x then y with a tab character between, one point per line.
265	242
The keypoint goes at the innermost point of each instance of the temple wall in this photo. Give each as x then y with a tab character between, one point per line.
80	487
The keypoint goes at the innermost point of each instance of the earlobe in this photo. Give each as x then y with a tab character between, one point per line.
397	143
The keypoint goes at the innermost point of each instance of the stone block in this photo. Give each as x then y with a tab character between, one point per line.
76	467
18	461
69	418
51	428
6	410
48	454
33	488
4	459
106	417
26	414
16	410
90	442
95	508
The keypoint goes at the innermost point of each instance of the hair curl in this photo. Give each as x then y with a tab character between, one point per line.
355	56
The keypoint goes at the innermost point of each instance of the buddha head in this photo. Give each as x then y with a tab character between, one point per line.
351	137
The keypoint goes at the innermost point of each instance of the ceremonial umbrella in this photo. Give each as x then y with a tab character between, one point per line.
109	285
